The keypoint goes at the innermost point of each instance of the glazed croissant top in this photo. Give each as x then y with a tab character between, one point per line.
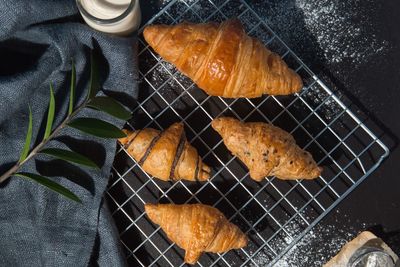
197	228
266	150
222	60
166	155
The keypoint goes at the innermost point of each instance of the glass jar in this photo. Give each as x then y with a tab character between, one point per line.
369	256
120	17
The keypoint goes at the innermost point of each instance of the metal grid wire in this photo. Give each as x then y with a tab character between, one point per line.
275	214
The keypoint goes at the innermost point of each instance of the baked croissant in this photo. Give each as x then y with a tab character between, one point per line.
222	60
266	150
196	228
166	155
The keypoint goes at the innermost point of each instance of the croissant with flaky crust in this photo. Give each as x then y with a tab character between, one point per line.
266	150
196	228
166	155
222	60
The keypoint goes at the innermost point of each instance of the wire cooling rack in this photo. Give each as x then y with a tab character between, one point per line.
275	214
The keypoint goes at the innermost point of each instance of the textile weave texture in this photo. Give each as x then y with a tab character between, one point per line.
38	40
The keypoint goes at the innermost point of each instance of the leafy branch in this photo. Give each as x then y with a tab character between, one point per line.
91	126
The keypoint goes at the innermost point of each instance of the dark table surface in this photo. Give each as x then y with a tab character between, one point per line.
364	67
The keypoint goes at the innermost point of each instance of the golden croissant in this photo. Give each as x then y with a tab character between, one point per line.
222	59
196	228
266	150
166	155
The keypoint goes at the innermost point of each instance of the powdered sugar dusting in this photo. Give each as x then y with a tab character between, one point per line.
328	107
316	248
313	248
339	38
342	30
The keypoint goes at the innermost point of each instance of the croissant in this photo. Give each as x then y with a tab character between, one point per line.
196	228
166	155
266	150
222	60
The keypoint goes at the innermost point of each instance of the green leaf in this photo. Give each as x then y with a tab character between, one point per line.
94	84
69	156
50	184
110	106
72	89
97	128
50	114
28	139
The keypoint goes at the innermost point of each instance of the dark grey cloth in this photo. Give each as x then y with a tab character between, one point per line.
38	39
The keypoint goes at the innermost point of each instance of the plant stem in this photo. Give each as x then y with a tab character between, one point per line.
37	149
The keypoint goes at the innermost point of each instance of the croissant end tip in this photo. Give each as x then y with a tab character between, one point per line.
204	173
315	173
318	171
242	242
125	139
150	33
220	123
152	212
298	83
177	125
149	207
217	123
148	30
